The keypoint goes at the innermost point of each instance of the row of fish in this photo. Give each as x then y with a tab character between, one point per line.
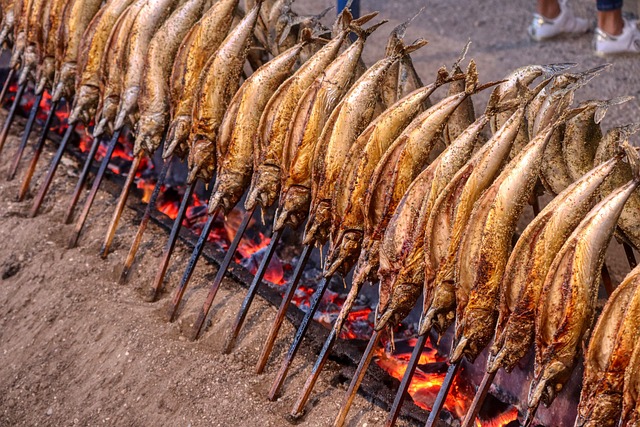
406	193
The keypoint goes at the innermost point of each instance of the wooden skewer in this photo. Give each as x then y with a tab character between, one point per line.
122	200
478	399
7	83
297	339
25	138
12	113
298	408
86	168
26	181
282	310
213	290
531	414
357	379
251	292
144	222
406	381
94	190
434	416
173	238
53	166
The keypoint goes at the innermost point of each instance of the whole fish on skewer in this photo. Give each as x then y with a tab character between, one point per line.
274	123
610	349
240	126
218	84
154	99
200	43
569	294
45	70
308	120
92	51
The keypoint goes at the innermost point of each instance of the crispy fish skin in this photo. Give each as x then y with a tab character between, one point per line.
402	249
154	95
610	349
529	264
274	123
218	84
569	295
242	120
148	21
365	154
347	122
6	27
631	391
34	40
449	217
92	52
200	44
463	116
21	12
485	245
77	16
46	69
114	63
629	223
310	116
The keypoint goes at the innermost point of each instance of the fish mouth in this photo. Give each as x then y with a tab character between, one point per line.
265	186
344	255
293	208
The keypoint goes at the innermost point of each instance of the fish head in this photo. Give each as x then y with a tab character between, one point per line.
177	137
227	191
294	207
85	104
265	187
395	305
202	159
65	82
548	383
599	409
344	253
150	129
319	224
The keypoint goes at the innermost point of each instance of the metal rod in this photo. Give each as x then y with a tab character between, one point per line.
298	409
434	415
478	399
173	238
531	415
7	83
144	222
406	381
251	292
122	201
282	310
86	168
12	113
25	138
631	257
94	190
222	269
357	379
606	279
53	166
297	339
26	181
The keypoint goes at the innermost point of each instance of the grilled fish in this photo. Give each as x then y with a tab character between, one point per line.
631	391
610	348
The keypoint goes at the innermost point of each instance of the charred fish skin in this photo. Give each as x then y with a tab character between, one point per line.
234	169
569	294
610	349
449	217
346	123
114	63
77	15
218	84
402	249
310	116
529	264
484	249
274	123
93	50
631	392
149	20
197	48
154	96
629	223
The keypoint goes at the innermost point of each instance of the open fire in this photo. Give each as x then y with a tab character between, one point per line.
432	366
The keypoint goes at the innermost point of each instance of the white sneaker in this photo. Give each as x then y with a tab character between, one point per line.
566	23
627	42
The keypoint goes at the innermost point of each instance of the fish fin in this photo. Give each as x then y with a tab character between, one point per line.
359	22
456	65
633	158
364	33
553	69
603	106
